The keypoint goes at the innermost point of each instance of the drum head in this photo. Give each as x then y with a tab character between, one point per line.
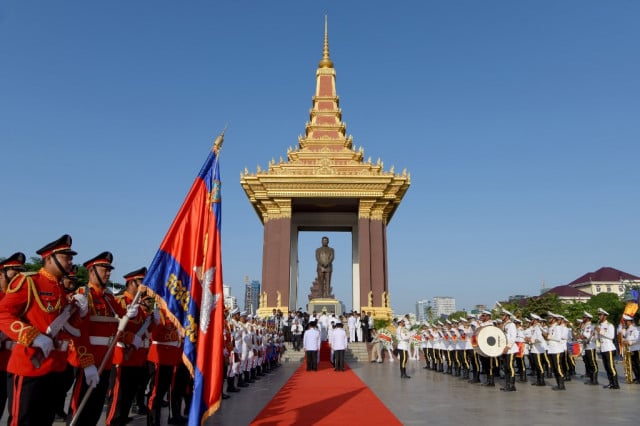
491	341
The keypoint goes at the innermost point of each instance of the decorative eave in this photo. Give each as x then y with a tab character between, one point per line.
325	163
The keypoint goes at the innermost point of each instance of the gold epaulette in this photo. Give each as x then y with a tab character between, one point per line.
16	282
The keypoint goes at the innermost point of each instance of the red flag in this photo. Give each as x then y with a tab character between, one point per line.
186	277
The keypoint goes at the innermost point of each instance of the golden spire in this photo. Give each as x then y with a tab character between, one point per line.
326	61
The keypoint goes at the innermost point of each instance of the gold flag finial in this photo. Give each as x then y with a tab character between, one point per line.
217	143
326	61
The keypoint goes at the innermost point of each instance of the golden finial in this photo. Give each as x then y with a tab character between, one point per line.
217	143
326	61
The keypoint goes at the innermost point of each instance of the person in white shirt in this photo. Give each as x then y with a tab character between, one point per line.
606	333
338	346
632	344
587	337
509	351
311	343
402	336
351	324
296	334
555	349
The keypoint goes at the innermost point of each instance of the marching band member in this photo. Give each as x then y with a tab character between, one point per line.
402	335
538	349
509	351
588	338
556	349
606	332
632	344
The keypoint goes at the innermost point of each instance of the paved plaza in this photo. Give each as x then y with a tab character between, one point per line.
441	399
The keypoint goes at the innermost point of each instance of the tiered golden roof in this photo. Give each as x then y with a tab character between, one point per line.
325	164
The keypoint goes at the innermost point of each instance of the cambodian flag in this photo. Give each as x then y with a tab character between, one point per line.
186	278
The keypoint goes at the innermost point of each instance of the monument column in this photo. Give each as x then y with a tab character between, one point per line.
276	251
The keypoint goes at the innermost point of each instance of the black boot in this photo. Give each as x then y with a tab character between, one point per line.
560	382
539	380
523	375
230	385
513	384
254	375
241	383
594	379
247	377
507	385
490	381
614	383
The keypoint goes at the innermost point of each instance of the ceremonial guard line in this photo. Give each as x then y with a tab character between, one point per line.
115	352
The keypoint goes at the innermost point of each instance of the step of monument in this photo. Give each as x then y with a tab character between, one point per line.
356	352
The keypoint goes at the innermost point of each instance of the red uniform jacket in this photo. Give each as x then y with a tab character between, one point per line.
32	303
125	353
166	343
102	325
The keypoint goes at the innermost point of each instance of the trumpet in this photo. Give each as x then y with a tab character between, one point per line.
626	358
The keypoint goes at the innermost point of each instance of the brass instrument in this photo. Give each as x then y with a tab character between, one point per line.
626	357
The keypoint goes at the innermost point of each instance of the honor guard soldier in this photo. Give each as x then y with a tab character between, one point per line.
104	316
43	322
164	356
403	337
9	268
605	331
130	355
632	346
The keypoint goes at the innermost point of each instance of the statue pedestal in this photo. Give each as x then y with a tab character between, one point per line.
330	305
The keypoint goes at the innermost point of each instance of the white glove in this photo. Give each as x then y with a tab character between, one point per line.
82	302
132	310
137	341
44	342
91	376
156	317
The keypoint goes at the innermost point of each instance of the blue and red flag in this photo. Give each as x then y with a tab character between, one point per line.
186	278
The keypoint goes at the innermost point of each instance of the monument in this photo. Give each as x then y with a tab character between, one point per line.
325	184
321	297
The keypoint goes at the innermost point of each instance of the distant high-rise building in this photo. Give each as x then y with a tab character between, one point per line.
251	295
229	300
443	305
422	309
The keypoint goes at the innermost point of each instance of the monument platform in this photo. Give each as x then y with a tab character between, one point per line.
328	305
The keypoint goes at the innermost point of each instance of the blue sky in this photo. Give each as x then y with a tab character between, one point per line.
518	122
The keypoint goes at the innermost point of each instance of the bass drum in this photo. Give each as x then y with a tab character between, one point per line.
491	341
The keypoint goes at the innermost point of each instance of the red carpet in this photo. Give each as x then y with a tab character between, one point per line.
325	397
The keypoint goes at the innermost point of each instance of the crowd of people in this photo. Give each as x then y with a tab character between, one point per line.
534	346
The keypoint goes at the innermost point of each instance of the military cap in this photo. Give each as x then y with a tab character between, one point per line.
602	312
536	317
506	312
104	259
138	274
586	314
15	261
61	245
627	317
485	312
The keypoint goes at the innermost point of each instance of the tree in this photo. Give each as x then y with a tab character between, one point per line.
610	302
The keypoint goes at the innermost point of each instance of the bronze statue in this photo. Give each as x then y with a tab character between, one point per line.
324	257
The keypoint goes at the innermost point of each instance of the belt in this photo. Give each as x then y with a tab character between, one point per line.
102	318
174	343
100	340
